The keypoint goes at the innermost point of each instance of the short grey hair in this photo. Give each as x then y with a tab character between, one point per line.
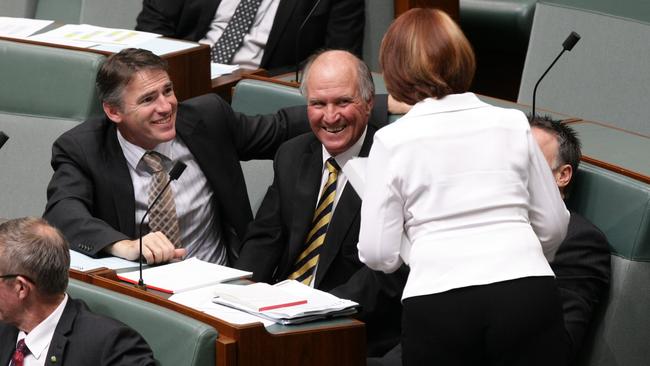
29	246
365	85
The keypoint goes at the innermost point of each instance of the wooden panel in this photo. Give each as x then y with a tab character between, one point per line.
449	6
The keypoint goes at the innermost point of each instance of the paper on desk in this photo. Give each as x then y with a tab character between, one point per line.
185	275
21	27
201	300
91	35
217	70
83	262
158	46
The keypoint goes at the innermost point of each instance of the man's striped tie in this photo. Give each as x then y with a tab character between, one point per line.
306	263
162	216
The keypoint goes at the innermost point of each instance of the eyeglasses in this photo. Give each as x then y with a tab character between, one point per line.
16	275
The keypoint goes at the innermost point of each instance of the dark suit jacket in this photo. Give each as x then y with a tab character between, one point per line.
90	195
276	238
84	338
334	24
582	270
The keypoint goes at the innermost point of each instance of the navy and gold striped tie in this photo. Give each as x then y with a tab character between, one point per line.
306	263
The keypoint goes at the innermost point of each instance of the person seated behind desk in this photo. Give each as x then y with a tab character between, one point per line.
582	262
108	169
308	223
271	39
39	323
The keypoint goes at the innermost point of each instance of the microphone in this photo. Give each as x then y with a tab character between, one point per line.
567	45
176	172
298	39
3	139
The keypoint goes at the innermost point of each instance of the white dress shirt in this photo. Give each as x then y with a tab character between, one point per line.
39	339
468	186
195	206
251	51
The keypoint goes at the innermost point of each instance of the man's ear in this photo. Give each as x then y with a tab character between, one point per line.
113	112
564	175
23	287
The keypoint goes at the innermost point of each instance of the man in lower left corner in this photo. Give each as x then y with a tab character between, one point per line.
39	323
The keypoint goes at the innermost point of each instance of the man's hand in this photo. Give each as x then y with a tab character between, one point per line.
156	248
395	107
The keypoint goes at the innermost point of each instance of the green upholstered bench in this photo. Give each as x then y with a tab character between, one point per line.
620	207
176	339
44	91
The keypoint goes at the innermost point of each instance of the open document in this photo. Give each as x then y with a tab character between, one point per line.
184	275
288	302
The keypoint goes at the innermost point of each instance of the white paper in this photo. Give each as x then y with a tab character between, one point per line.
21	27
185	275
83	262
93	35
201	300
217	70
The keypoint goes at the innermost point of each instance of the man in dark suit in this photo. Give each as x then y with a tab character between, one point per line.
582	262
101	184
333	24
300	236
38	321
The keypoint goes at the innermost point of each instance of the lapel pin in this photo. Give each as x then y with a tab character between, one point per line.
53	359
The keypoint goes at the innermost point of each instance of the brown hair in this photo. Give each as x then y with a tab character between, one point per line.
425	54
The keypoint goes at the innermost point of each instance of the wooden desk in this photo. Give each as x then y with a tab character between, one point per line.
189	69
223	85
331	342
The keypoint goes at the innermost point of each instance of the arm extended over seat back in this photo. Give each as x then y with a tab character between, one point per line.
176	340
44	91
620	207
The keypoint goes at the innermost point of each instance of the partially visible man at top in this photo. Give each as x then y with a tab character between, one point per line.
39	323
259	33
108	170
307	227
582	262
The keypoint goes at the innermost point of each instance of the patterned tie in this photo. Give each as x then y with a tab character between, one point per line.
231	38
20	353
308	259
162	216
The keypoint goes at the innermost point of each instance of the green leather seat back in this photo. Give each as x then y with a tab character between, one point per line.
620	207
254	97
176	340
63	11
48	81
18	8
44	91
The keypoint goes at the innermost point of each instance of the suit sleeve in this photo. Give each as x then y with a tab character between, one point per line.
70	198
124	346
345	25
265	239
160	16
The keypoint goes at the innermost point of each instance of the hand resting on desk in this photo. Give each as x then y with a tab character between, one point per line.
156	248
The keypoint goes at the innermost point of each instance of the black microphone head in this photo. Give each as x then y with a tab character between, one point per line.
177	170
3	138
571	41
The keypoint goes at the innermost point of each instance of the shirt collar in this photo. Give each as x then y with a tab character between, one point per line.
449	103
133	153
348	154
39	339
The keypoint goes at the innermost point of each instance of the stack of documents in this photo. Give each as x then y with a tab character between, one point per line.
287	302
184	275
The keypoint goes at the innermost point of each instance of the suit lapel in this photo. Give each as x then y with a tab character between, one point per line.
345	215
8	335
62	330
304	200
282	16
117	173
